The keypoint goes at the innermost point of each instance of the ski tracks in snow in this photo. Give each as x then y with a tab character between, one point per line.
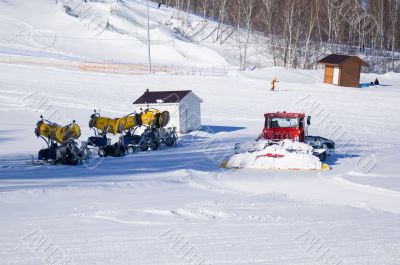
331	189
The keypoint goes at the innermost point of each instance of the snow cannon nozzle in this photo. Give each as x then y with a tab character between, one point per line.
163	119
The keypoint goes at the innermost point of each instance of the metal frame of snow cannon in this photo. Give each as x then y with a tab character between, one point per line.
148	139
167	136
102	143
152	138
153	135
60	151
297	130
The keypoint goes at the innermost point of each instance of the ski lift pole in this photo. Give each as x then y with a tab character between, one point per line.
148	36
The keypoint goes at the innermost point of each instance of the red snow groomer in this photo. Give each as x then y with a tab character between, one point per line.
279	126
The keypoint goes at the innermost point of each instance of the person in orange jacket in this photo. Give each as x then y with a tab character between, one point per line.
273	83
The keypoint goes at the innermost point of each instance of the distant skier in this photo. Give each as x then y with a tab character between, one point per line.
274	83
159	5
376	82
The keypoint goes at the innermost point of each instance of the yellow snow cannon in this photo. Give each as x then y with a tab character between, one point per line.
58	133
104	124
152	119
62	146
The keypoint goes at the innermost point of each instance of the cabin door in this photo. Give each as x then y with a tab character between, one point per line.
335	80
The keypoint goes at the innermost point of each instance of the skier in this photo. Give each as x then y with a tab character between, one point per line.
376	82
273	83
159	4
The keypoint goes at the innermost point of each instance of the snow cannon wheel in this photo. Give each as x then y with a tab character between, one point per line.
169	141
102	152
47	154
118	150
144	147
130	149
154	145
163	119
70	159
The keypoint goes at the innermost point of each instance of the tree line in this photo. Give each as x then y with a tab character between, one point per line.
299	31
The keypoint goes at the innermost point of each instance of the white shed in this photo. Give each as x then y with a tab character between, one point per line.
183	106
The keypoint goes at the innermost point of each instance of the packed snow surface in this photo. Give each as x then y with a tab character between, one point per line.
176	205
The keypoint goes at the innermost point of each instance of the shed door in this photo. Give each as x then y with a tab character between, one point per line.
336	75
186	120
328	74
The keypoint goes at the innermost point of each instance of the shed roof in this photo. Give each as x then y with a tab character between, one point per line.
337	59
150	97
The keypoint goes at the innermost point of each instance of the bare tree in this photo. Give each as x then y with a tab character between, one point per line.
394	19
310	26
298	32
267	15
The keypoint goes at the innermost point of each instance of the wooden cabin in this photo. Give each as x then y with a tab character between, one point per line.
342	70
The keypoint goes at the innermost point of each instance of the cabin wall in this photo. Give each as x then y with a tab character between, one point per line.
190	113
350	73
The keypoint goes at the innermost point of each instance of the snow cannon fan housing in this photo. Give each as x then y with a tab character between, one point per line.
284	125
153	118
114	126
58	133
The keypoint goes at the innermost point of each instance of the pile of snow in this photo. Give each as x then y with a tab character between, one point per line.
286	154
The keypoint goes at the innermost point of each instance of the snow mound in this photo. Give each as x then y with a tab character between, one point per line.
286	154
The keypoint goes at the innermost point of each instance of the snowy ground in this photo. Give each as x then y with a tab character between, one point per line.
175	205
129	210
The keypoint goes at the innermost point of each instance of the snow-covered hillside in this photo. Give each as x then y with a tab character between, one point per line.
176	205
96	31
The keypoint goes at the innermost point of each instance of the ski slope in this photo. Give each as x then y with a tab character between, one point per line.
176	205
96	31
